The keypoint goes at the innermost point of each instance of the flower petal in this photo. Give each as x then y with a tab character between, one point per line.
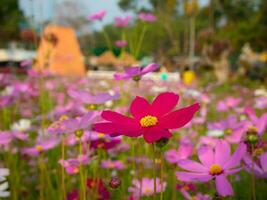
149	68
179	117
191	165
206	155
191	177
156	133
222	152
223	186
164	103
118	129
139	107
236	157
116	117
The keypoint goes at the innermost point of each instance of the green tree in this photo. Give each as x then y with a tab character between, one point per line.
10	19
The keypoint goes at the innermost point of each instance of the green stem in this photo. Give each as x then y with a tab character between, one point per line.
82	180
253	181
161	175
107	39
62	169
154	171
136	53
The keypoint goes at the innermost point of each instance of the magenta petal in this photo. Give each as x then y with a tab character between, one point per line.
164	103
118	129
223	186
191	177
191	165
206	155
263	161
179	118
236	157
222	152
156	133
233	171
116	117
139	107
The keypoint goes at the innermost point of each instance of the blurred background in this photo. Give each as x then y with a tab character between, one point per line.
216	36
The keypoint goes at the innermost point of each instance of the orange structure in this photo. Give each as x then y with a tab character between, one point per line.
59	52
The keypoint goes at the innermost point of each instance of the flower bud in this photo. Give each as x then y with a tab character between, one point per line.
79	133
137	78
115	182
162	142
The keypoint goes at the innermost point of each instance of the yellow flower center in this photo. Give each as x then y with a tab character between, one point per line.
252	130
101	135
215	169
79	133
148	121
63	118
39	148
75	170
147	191
228	131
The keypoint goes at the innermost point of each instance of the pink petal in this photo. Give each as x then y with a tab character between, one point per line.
236	157
223	186
116	117
222	152
206	155
191	165
164	103
179	118
263	161
118	129
139	107
191	177
156	133
233	171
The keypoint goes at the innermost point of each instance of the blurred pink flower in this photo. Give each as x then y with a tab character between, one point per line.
147	17
97	16
122	21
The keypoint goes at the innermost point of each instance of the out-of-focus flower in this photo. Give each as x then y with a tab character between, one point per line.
97	16
230	128
8	136
121	43
41	146
136	73
228	103
258	167
215	164
146	187
72	165
147	17
112	164
73	195
153	121
184	151
122	21
3	183
93	184
22	125
26	63
87	98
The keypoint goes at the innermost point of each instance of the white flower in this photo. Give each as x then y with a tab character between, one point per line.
215	133
3	183
7	91
260	92
21	125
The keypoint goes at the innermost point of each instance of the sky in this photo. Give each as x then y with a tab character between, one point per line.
44	10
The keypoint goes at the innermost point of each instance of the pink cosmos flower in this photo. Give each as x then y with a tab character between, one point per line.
147	188
259	167
72	165
136	72
122	21
8	136
121	43
153	121
228	103
147	17
97	16
215	164
185	150
112	164
41	146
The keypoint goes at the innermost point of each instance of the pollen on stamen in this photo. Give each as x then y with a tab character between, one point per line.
215	169
148	121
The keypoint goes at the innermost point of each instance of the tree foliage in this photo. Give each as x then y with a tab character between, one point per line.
10	19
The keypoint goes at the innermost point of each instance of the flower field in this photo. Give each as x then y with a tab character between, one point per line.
83	139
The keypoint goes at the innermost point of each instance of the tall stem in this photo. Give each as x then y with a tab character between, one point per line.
253	181
62	169
82	180
154	171
139	44
161	175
